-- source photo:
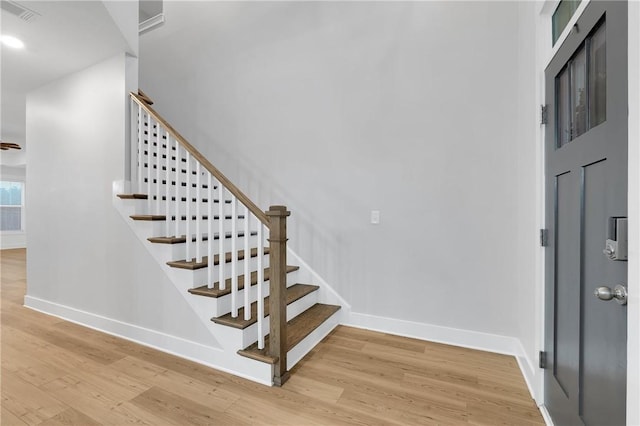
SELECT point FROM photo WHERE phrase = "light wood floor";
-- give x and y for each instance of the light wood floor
(55, 372)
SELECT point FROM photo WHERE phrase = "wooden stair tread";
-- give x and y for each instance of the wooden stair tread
(183, 238)
(193, 265)
(217, 292)
(151, 217)
(297, 329)
(132, 196)
(164, 198)
(295, 292)
(148, 217)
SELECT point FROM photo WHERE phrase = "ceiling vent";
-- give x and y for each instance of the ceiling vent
(18, 10)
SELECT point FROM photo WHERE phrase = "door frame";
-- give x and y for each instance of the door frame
(544, 54)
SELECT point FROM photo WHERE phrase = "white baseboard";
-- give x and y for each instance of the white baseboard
(163, 342)
(451, 336)
(13, 240)
(545, 415)
(529, 370)
(435, 333)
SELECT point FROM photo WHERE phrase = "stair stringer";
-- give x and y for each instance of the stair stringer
(204, 307)
(222, 352)
(230, 339)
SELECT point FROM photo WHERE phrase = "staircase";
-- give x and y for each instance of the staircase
(226, 257)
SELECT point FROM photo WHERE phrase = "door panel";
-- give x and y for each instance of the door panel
(586, 184)
(603, 328)
(567, 286)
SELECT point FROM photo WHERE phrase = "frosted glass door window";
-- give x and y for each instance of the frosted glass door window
(598, 77)
(581, 89)
(563, 108)
(579, 93)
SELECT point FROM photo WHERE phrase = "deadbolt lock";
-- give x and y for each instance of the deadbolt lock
(615, 247)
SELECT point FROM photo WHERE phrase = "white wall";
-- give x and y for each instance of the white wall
(83, 261)
(529, 178)
(336, 109)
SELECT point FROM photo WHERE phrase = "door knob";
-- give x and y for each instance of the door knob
(619, 293)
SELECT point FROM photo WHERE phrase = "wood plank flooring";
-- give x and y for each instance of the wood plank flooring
(59, 373)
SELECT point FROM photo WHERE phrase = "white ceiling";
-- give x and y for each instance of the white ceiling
(66, 37)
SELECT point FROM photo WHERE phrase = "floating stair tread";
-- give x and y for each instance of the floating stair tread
(183, 239)
(297, 329)
(148, 217)
(294, 293)
(217, 292)
(193, 265)
(132, 196)
(183, 217)
(164, 198)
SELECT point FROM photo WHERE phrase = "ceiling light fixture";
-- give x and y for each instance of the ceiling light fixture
(11, 41)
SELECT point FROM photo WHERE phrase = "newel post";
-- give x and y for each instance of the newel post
(277, 291)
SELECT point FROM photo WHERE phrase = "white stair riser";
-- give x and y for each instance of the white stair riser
(223, 304)
(178, 251)
(182, 208)
(199, 277)
(153, 207)
(160, 228)
(312, 340)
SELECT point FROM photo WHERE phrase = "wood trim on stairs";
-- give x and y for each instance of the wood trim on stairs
(153, 217)
(132, 196)
(262, 217)
(143, 96)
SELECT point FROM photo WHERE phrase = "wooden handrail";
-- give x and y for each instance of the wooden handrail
(262, 217)
(144, 97)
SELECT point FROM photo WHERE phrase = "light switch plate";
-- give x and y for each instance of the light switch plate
(375, 217)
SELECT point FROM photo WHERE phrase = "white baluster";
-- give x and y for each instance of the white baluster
(209, 230)
(198, 192)
(188, 209)
(247, 273)
(149, 191)
(260, 298)
(140, 149)
(158, 164)
(176, 222)
(167, 180)
(234, 259)
(221, 254)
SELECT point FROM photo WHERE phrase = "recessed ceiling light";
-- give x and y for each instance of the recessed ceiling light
(11, 41)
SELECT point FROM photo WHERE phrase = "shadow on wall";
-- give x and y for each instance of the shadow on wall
(309, 233)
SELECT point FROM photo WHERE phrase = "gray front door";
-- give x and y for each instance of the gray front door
(586, 187)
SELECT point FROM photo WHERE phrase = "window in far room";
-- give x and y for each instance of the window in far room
(11, 206)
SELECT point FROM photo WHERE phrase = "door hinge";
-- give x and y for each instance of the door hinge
(542, 359)
(544, 237)
(544, 116)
